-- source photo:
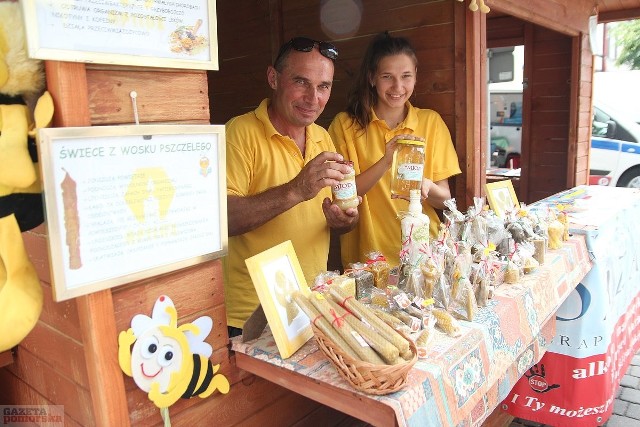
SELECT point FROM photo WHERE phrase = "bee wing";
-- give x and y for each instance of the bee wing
(196, 342)
(141, 323)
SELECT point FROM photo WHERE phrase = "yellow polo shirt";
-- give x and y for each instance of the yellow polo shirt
(259, 158)
(379, 226)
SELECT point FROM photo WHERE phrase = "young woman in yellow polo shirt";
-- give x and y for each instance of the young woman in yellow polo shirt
(378, 114)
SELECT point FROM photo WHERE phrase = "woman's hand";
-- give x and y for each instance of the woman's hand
(426, 187)
(390, 147)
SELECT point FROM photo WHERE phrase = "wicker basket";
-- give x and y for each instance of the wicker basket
(364, 376)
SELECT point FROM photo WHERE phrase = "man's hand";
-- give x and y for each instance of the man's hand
(339, 220)
(320, 172)
(250, 212)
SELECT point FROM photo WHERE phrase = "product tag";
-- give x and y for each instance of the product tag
(402, 300)
(415, 324)
(411, 171)
(359, 338)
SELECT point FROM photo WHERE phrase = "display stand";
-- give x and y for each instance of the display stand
(463, 379)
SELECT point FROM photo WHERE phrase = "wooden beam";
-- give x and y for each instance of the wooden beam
(619, 15)
(100, 339)
(67, 83)
(569, 18)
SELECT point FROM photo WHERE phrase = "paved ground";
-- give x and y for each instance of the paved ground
(626, 407)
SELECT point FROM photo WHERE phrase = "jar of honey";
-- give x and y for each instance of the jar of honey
(345, 194)
(407, 167)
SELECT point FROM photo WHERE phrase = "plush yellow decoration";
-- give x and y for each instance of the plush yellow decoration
(21, 80)
(21, 294)
(19, 75)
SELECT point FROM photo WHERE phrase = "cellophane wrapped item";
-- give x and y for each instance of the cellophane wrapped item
(461, 268)
(431, 269)
(498, 271)
(424, 337)
(525, 251)
(380, 268)
(482, 279)
(455, 220)
(465, 305)
(348, 284)
(539, 222)
(379, 298)
(556, 233)
(412, 310)
(443, 257)
(364, 280)
(321, 281)
(478, 230)
(496, 232)
(414, 284)
(512, 273)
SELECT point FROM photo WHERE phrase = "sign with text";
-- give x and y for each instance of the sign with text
(125, 203)
(152, 33)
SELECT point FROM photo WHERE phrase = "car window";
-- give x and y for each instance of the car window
(599, 125)
(604, 125)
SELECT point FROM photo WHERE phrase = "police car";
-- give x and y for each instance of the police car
(615, 148)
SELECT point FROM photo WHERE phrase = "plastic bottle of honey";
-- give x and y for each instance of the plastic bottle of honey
(345, 194)
(407, 167)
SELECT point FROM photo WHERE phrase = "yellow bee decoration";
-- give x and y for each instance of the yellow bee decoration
(169, 361)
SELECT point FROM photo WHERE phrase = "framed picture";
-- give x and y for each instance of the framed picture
(180, 34)
(276, 273)
(124, 203)
(501, 197)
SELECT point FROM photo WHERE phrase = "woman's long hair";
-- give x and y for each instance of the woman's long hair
(363, 96)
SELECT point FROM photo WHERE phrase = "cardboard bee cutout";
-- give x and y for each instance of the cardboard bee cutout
(168, 361)
(21, 81)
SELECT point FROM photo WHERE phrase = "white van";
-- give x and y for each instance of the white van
(505, 119)
(615, 140)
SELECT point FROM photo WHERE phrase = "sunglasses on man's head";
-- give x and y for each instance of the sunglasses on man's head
(304, 44)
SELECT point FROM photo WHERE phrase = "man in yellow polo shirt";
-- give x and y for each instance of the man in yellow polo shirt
(280, 169)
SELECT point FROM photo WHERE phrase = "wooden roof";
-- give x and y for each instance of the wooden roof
(618, 10)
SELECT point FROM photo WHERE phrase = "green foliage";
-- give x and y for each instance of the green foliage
(628, 35)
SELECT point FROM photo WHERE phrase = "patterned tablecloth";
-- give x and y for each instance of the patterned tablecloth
(465, 378)
(598, 326)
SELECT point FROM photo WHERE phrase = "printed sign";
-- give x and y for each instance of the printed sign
(128, 202)
(152, 33)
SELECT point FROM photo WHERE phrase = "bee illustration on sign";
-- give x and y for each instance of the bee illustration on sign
(168, 361)
(205, 168)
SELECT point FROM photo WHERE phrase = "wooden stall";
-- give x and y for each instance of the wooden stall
(70, 358)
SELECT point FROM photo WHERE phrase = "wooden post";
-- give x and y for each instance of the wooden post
(67, 83)
(471, 124)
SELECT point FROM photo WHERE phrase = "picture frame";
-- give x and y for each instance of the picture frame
(501, 197)
(172, 35)
(276, 273)
(124, 203)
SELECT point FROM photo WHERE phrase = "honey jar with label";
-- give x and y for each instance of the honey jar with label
(407, 167)
(345, 194)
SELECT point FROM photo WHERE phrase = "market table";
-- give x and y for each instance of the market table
(463, 379)
(598, 327)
